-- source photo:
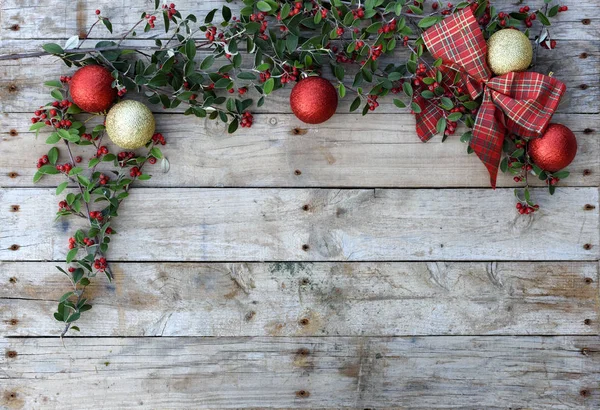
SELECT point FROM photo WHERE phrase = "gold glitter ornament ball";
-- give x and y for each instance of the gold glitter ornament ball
(509, 50)
(130, 124)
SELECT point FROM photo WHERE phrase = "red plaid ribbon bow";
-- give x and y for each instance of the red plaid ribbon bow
(521, 103)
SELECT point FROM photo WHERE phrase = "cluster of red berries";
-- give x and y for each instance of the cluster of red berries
(42, 161)
(549, 45)
(88, 137)
(108, 231)
(265, 76)
(247, 119)
(211, 32)
(63, 206)
(65, 79)
(170, 10)
(122, 92)
(103, 179)
(242, 90)
(151, 20)
(295, 10)
(387, 28)
(323, 12)
(339, 31)
(372, 101)
(158, 138)
(49, 115)
(88, 241)
(72, 243)
(125, 156)
(135, 172)
(525, 209)
(66, 168)
(563, 8)
(289, 74)
(358, 13)
(100, 264)
(552, 181)
(376, 52)
(97, 215)
(103, 150)
(487, 15)
(260, 16)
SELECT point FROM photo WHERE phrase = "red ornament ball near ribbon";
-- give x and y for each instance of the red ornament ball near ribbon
(313, 100)
(91, 88)
(555, 149)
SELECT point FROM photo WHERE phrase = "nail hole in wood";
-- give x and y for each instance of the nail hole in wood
(587, 172)
(304, 281)
(583, 86)
(250, 315)
(585, 351)
(584, 393)
(306, 207)
(302, 394)
(298, 131)
(14, 247)
(15, 208)
(589, 280)
(305, 247)
(13, 133)
(13, 174)
(304, 321)
(589, 207)
(585, 22)
(587, 322)
(303, 352)
(587, 246)
(298, 172)
(11, 354)
(13, 280)
(15, 27)
(13, 322)
(583, 55)
(12, 88)
(588, 131)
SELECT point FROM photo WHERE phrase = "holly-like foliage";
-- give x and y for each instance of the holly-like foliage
(222, 65)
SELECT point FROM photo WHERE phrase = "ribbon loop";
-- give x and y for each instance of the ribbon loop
(520, 103)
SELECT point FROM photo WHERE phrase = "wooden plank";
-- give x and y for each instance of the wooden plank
(22, 89)
(346, 151)
(311, 299)
(336, 225)
(25, 19)
(326, 372)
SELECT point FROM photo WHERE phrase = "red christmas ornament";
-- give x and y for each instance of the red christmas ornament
(91, 88)
(313, 100)
(555, 149)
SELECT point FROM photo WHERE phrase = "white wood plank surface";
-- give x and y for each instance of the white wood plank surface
(346, 151)
(176, 224)
(311, 299)
(471, 372)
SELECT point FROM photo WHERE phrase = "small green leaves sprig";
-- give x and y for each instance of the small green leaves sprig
(97, 196)
(518, 163)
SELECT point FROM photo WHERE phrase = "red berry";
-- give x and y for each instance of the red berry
(97, 12)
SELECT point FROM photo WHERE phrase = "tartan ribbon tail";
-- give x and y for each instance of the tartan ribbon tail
(488, 136)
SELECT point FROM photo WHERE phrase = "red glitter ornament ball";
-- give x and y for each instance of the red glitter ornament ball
(91, 88)
(313, 100)
(555, 149)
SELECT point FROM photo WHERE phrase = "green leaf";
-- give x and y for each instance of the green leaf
(415, 9)
(342, 90)
(209, 17)
(398, 103)
(233, 125)
(355, 104)
(226, 12)
(85, 308)
(190, 49)
(517, 153)
(446, 103)
(108, 24)
(76, 328)
(48, 170)
(53, 155)
(441, 126)
(263, 6)
(53, 48)
(65, 297)
(408, 90)
(285, 11)
(53, 138)
(71, 255)
(144, 177)
(207, 62)
(75, 171)
(553, 11)
(73, 317)
(561, 174)
(455, 116)
(61, 187)
(415, 107)
(93, 162)
(37, 176)
(58, 317)
(429, 21)
(269, 85)
(504, 164)
(156, 152)
(542, 18)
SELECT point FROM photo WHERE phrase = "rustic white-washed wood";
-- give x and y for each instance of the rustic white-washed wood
(173, 224)
(63, 20)
(21, 82)
(472, 372)
(346, 151)
(311, 299)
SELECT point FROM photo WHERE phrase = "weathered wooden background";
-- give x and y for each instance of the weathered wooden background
(295, 266)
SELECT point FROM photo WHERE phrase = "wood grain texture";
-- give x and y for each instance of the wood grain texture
(62, 20)
(337, 225)
(311, 299)
(327, 372)
(21, 82)
(346, 151)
